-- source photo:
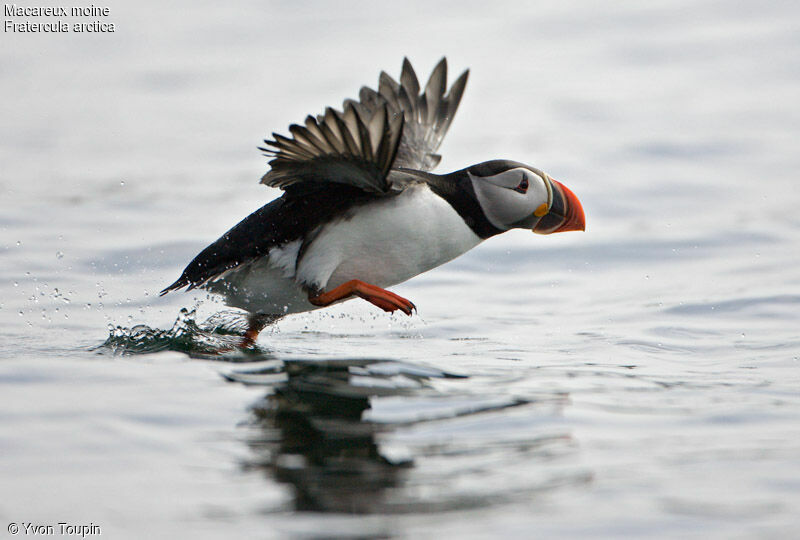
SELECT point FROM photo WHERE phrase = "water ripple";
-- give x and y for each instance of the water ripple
(764, 306)
(373, 436)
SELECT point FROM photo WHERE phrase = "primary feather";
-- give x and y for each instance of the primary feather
(396, 126)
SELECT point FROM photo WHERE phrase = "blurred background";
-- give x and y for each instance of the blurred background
(639, 379)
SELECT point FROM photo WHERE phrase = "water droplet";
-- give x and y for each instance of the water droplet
(59, 255)
(21, 314)
(19, 242)
(122, 183)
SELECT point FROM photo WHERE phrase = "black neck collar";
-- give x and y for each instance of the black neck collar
(456, 188)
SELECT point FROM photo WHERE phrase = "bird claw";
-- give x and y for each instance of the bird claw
(393, 303)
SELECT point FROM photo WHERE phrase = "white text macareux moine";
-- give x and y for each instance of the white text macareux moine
(13, 10)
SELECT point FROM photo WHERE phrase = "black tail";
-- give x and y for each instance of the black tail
(182, 282)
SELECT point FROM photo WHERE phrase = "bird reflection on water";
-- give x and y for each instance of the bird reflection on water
(316, 430)
(315, 439)
(378, 436)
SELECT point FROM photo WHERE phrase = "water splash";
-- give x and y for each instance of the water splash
(220, 334)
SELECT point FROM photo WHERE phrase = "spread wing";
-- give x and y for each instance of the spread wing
(427, 115)
(344, 147)
(397, 126)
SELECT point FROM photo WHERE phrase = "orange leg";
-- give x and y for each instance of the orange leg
(250, 337)
(255, 324)
(387, 301)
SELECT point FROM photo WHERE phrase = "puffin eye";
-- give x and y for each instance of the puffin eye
(523, 185)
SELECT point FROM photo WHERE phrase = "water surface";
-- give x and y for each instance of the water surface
(640, 379)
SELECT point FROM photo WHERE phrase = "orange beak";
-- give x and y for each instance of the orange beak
(566, 213)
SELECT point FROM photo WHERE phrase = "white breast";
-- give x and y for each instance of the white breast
(387, 242)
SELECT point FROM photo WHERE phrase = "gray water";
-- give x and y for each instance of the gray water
(641, 379)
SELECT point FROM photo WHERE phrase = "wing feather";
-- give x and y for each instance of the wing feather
(393, 127)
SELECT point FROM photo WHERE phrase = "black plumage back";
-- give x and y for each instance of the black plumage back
(291, 217)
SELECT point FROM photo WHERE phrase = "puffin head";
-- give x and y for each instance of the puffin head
(517, 196)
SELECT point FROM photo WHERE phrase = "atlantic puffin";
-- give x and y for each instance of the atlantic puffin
(361, 211)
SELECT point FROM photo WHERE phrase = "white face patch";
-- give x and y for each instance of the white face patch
(512, 196)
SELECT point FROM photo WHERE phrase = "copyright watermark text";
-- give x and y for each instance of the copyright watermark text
(62, 528)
